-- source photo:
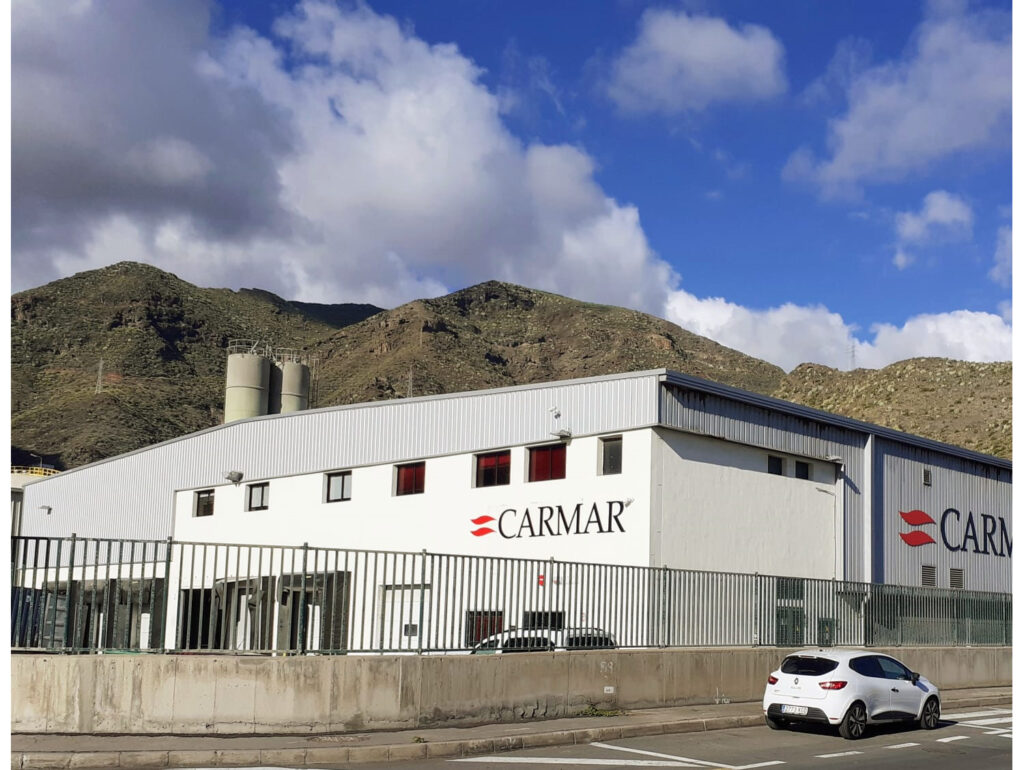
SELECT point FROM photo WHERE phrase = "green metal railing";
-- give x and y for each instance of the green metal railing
(90, 595)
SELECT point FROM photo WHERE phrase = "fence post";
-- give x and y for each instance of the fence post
(165, 624)
(423, 601)
(301, 641)
(70, 621)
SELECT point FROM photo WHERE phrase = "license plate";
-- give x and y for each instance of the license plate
(800, 710)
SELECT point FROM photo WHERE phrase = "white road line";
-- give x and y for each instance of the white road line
(970, 714)
(952, 738)
(840, 754)
(574, 761)
(996, 721)
(693, 762)
(903, 745)
(1006, 735)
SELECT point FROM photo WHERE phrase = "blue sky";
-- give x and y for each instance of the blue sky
(803, 181)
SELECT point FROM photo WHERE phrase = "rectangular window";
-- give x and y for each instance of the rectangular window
(776, 465)
(926, 478)
(483, 623)
(492, 469)
(956, 577)
(928, 575)
(547, 620)
(204, 503)
(339, 487)
(409, 478)
(802, 470)
(611, 456)
(547, 462)
(258, 498)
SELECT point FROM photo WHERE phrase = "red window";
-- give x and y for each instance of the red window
(410, 479)
(492, 469)
(547, 462)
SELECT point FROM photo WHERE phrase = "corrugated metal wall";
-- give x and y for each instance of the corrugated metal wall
(724, 418)
(129, 496)
(968, 486)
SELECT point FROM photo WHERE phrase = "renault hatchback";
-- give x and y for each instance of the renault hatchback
(850, 689)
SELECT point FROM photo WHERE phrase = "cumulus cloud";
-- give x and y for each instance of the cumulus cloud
(1002, 264)
(790, 334)
(952, 93)
(940, 212)
(681, 62)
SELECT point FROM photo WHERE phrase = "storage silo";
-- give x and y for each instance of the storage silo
(294, 393)
(248, 386)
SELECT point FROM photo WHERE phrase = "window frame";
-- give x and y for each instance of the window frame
(602, 467)
(346, 486)
(551, 449)
(420, 477)
(807, 468)
(502, 471)
(198, 497)
(264, 487)
(782, 465)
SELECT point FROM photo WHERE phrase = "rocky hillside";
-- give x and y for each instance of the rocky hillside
(161, 341)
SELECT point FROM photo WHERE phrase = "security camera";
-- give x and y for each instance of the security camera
(233, 476)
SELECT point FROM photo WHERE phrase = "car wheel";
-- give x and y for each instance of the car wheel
(775, 724)
(854, 723)
(930, 714)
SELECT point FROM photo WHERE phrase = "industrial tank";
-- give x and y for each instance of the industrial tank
(248, 386)
(294, 390)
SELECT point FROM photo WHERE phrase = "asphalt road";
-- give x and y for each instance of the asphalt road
(972, 738)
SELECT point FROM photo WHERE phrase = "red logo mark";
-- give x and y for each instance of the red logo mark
(916, 538)
(540, 580)
(916, 518)
(482, 530)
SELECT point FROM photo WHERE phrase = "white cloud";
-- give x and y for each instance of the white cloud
(681, 62)
(952, 93)
(790, 334)
(940, 211)
(902, 259)
(1002, 264)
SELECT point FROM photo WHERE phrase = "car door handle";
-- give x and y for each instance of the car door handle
(895, 689)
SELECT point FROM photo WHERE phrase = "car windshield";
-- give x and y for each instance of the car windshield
(806, 665)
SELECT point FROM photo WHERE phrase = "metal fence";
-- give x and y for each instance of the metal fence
(88, 595)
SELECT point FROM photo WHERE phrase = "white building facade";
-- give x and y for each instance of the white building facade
(649, 469)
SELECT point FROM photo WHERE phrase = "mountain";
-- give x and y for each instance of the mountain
(162, 345)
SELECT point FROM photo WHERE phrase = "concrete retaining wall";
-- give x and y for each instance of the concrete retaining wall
(198, 694)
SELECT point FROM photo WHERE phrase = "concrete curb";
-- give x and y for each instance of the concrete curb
(312, 757)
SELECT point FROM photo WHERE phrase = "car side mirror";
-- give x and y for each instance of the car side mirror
(914, 676)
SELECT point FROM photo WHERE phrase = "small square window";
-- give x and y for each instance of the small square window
(258, 497)
(338, 487)
(547, 462)
(776, 465)
(802, 470)
(927, 477)
(492, 469)
(611, 455)
(410, 478)
(204, 503)
(956, 577)
(928, 575)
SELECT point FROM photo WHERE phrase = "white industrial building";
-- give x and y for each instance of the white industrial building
(650, 468)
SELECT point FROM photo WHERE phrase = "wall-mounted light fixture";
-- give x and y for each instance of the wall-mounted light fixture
(46, 509)
(234, 476)
(565, 434)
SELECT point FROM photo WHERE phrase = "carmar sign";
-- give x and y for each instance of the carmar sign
(552, 521)
(960, 533)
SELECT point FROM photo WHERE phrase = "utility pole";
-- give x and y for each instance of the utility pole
(410, 383)
(99, 377)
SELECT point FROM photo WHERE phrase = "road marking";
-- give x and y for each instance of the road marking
(952, 738)
(575, 761)
(903, 745)
(970, 714)
(840, 754)
(997, 721)
(692, 762)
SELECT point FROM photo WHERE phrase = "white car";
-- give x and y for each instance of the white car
(545, 640)
(850, 689)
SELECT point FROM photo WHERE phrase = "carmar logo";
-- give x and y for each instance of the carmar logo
(987, 535)
(552, 521)
(916, 518)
